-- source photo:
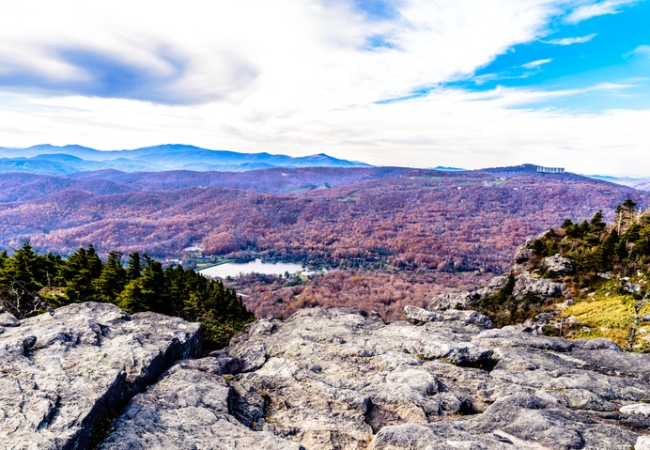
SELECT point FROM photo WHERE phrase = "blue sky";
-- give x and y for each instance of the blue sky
(611, 49)
(420, 83)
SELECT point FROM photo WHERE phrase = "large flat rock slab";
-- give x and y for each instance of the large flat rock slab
(343, 379)
(61, 374)
(336, 379)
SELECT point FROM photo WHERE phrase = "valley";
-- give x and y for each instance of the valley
(403, 218)
(393, 236)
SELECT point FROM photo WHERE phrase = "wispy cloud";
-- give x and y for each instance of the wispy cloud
(536, 64)
(642, 51)
(156, 77)
(300, 77)
(296, 54)
(594, 9)
(571, 41)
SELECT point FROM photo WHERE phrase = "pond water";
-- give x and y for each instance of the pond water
(257, 266)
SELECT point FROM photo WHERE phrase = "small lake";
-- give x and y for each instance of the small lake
(257, 266)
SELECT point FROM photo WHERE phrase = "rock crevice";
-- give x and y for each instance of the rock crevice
(61, 374)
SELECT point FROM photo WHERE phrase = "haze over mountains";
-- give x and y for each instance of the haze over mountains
(642, 184)
(71, 159)
(52, 160)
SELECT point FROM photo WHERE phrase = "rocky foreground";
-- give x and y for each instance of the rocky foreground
(91, 375)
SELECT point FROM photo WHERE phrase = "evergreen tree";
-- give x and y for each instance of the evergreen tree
(152, 287)
(26, 267)
(79, 271)
(597, 223)
(608, 251)
(94, 263)
(52, 265)
(144, 286)
(134, 270)
(625, 213)
(131, 298)
(112, 280)
(176, 288)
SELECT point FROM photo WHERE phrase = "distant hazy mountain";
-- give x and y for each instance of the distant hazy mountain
(448, 169)
(642, 184)
(51, 160)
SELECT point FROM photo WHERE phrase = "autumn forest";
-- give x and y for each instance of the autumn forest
(397, 236)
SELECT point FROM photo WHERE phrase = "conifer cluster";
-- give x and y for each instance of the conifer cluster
(622, 247)
(600, 251)
(30, 283)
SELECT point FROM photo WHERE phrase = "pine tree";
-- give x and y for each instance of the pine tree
(134, 269)
(26, 267)
(152, 287)
(79, 271)
(175, 288)
(625, 213)
(144, 286)
(112, 279)
(94, 263)
(597, 222)
(131, 298)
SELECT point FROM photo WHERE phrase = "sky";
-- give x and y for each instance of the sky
(461, 83)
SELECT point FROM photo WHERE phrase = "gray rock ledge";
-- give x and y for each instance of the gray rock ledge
(336, 379)
(343, 379)
(60, 375)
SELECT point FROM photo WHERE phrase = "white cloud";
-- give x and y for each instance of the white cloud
(571, 41)
(295, 78)
(536, 64)
(642, 51)
(282, 53)
(447, 127)
(594, 9)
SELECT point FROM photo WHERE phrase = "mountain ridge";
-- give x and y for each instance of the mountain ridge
(56, 160)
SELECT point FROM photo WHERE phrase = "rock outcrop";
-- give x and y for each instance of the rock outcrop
(60, 375)
(558, 266)
(545, 283)
(7, 320)
(188, 408)
(524, 282)
(342, 379)
(323, 379)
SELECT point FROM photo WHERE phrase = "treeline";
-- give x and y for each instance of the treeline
(31, 283)
(386, 291)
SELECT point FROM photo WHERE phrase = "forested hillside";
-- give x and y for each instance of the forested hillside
(426, 219)
(25, 186)
(31, 283)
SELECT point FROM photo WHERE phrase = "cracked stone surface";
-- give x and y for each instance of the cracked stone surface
(343, 379)
(60, 375)
(334, 379)
(188, 408)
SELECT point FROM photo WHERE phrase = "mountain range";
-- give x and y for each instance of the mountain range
(65, 160)
(52, 160)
